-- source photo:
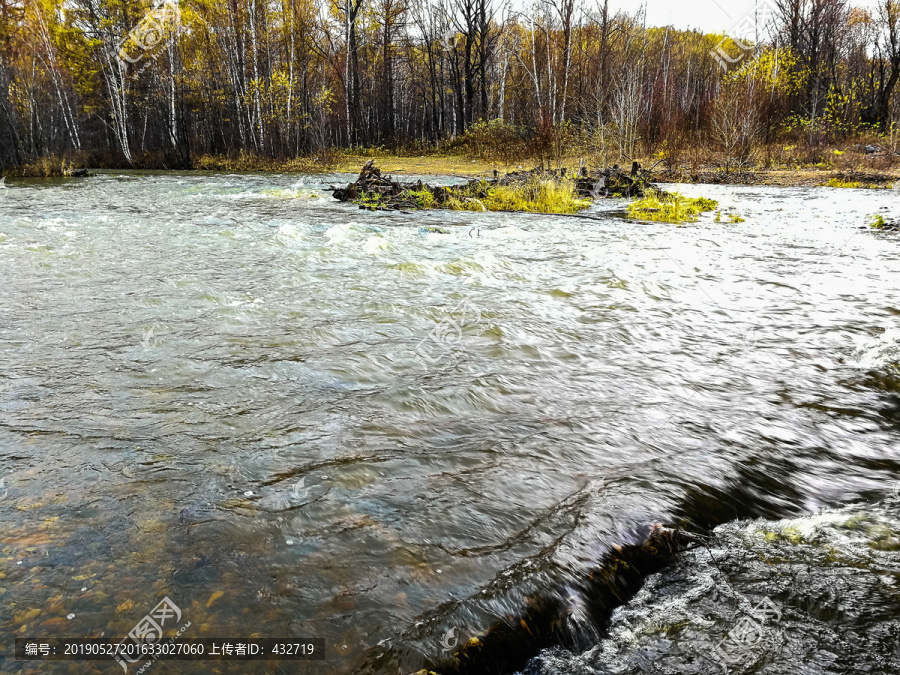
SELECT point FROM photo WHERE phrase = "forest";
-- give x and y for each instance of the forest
(124, 83)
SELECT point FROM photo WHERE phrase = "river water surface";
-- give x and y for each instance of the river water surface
(299, 419)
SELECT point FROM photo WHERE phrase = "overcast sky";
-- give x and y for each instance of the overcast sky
(707, 15)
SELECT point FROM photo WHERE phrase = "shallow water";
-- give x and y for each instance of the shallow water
(299, 419)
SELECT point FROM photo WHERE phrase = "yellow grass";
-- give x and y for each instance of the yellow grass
(669, 207)
(46, 167)
(838, 183)
(538, 195)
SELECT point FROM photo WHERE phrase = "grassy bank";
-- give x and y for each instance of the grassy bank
(49, 167)
(427, 165)
(791, 168)
(827, 167)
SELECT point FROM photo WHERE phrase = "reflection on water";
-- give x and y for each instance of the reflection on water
(213, 388)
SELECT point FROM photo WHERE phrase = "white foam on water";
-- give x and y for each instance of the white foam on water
(508, 232)
(805, 526)
(246, 194)
(488, 260)
(289, 232)
(879, 352)
(337, 234)
(296, 191)
(432, 238)
(374, 244)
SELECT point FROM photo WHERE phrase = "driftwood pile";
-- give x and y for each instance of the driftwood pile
(614, 182)
(382, 193)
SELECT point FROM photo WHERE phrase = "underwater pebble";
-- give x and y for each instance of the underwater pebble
(84, 589)
(248, 493)
(289, 542)
(70, 616)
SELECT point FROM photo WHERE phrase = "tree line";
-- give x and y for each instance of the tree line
(127, 83)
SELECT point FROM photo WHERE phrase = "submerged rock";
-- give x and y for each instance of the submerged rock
(572, 613)
(812, 595)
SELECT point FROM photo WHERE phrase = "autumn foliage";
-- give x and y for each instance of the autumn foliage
(126, 83)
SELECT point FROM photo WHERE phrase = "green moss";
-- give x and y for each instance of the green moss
(423, 198)
(669, 207)
(789, 534)
(369, 201)
(878, 222)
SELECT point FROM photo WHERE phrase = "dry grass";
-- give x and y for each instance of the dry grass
(248, 162)
(428, 165)
(431, 165)
(47, 167)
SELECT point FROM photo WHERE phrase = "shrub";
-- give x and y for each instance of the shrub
(493, 140)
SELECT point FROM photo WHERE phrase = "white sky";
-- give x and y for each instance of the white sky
(707, 15)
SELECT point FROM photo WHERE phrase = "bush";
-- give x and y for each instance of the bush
(493, 140)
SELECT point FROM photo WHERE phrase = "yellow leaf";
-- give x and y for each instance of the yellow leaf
(215, 596)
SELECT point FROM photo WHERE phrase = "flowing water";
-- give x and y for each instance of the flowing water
(389, 431)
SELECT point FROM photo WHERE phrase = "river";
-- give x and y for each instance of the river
(298, 419)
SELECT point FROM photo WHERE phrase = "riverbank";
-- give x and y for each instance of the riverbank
(785, 178)
(444, 165)
(861, 174)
